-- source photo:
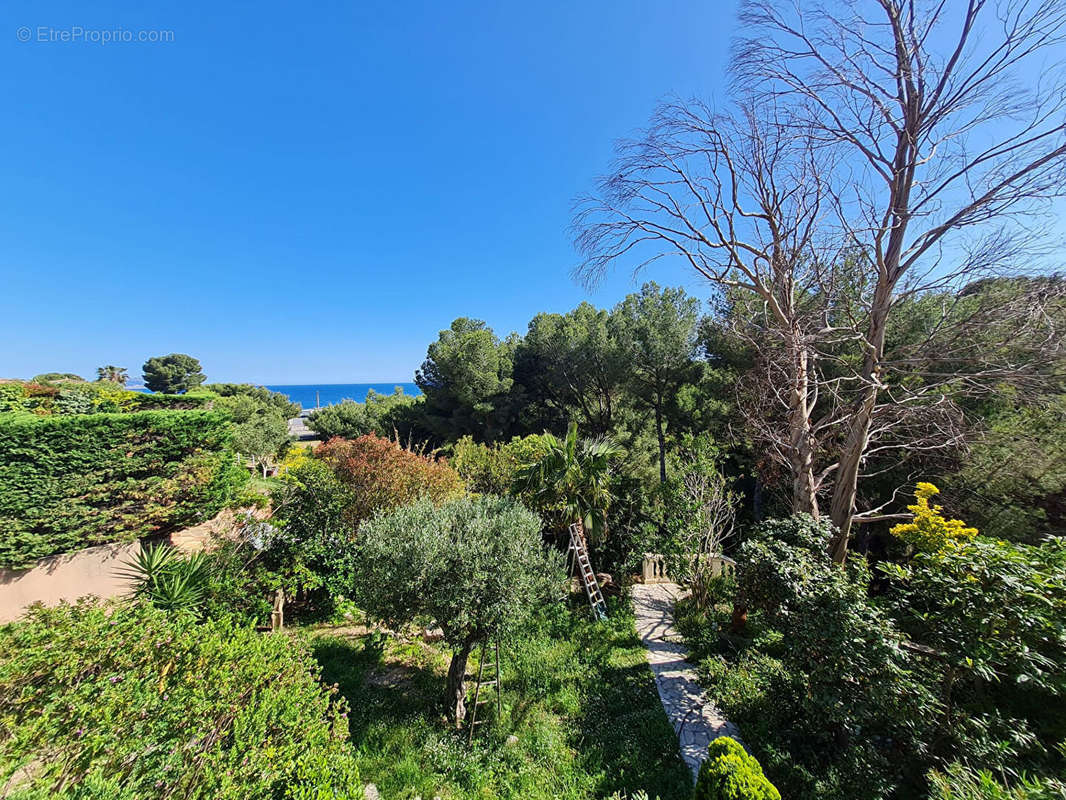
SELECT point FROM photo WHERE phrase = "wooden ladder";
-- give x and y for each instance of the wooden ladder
(492, 680)
(584, 567)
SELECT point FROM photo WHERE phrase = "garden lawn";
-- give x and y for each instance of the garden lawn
(581, 715)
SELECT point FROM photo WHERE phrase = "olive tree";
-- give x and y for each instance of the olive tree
(475, 565)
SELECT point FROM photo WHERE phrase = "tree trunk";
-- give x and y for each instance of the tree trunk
(662, 439)
(801, 437)
(851, 455)
(455, 694)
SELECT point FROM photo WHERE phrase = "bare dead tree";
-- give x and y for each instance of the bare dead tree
(949, 131)
(741, 199)
(884, 152)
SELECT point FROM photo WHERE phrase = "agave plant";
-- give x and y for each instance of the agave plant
(167, 579)
(573, 476)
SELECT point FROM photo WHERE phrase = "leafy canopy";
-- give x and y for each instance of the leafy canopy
(176, 373)
(476, 565)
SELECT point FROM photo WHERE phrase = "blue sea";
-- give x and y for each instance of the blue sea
(328, 394)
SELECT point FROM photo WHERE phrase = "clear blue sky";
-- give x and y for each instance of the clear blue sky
(300, 194)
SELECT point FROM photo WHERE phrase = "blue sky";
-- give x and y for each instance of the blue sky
(298, 196)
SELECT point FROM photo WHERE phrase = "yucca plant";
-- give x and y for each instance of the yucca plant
(573, 476)
(167, 579)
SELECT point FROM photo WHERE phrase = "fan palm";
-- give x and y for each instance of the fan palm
(572, 477)
(113, 374)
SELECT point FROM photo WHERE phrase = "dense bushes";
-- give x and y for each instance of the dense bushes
(324, 499)
(388, 415)
(729, 773)
(129, 702)
(846, 687)
(491, 469)
(379, 474)
(68, 482)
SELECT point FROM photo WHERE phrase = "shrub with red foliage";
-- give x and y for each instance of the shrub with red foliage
(381, 475)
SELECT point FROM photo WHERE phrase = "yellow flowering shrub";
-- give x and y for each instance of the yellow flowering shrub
(295, 457)
(929, 530)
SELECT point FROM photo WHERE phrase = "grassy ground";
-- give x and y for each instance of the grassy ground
(581, 716)
(263, 486)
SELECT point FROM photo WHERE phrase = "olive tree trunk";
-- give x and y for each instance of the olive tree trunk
(455, 693)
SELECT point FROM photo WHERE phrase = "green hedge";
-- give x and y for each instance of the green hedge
(101, 397)
(68, 482)
(125, 702)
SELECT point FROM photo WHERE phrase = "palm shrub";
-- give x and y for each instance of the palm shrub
(475, 565)
(729, 773)
(571, 480)
(128, 701)
(167, 579)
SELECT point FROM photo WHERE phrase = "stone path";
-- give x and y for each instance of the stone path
(695, 718)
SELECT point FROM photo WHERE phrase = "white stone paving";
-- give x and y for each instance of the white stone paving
(695, 718)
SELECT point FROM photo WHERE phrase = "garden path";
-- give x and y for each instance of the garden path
(695, 718)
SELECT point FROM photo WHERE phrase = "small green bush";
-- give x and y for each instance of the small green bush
(729, 773)
(129, 701)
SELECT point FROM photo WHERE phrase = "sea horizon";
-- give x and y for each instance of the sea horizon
(310, 395)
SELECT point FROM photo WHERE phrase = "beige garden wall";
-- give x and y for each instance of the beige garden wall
(94, 571)
(65, 577)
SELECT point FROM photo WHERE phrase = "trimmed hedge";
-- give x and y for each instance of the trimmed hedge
(118, 702)
(101, 397)
(68, 482)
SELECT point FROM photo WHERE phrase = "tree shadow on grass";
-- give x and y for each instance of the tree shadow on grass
(377, 685)
(623, 729)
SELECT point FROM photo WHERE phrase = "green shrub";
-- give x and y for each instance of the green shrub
(132, 702)
(68, 482)
(729, 773)
(387, 415)
(844, 711)
(262, 395)
(491, 469)
(958, 782)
